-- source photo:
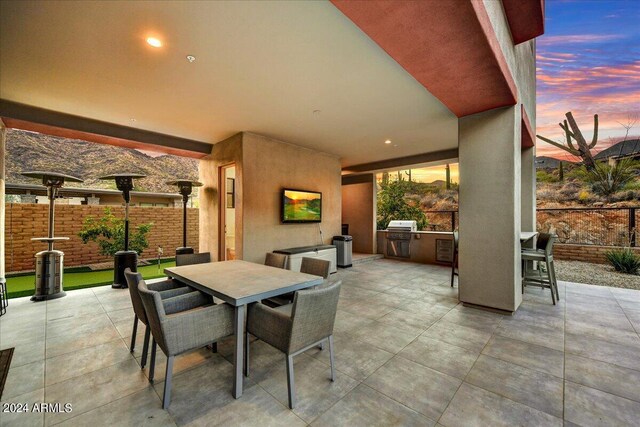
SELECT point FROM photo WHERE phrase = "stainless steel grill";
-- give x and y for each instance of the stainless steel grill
(399, 238)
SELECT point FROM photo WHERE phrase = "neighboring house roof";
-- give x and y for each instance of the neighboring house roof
(629, 148)
(81, 192)
(544, 162)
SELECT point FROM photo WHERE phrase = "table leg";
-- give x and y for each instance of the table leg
(238, 351)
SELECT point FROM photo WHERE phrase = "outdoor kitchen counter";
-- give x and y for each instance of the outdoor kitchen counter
(423, 245)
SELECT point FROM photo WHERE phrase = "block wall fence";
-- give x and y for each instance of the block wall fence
(586, 253)
(25, 220)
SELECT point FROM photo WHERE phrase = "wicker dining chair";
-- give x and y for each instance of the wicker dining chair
(167, 289)
(190, 259)
(275, 260)
(310, 324)
(317, 267)
(182, 326)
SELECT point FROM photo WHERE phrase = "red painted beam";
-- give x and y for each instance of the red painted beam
(526, 19)
(527, 140)
(450, 47)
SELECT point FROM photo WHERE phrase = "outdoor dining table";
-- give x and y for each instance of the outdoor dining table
(240, 283)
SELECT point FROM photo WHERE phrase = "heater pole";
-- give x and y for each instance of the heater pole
(185, 199)
(52, 199)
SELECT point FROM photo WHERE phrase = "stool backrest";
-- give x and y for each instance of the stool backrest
(545, 242)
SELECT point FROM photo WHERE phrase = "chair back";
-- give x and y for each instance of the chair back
(313, 315)
(155, 312)
(133, 279)
(275, 260)
(545, 242)
(317, 267)
(455, 240)
(189, 259)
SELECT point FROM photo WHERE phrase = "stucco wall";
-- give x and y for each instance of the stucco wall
(358, 210)
(270, 165)
(224, 153)
(263, 167)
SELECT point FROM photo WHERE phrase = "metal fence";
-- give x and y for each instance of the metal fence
(583, 226)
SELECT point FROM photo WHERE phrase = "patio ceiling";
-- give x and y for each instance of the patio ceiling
(260, 67)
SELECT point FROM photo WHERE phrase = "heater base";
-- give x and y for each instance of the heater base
(123, 260)
(184, 250)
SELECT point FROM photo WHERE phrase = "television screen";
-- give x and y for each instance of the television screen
(301, 206)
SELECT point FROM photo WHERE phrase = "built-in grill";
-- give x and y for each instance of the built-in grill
(399, 238)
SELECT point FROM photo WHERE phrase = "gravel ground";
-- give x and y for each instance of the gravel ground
(595, 274)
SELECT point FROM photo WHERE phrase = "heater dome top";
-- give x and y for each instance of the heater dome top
(48, 175)
(185, 181)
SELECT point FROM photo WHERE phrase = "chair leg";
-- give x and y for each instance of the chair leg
(152, 366)
(555, 279)
(553, 294)
(145, 347)
(453, 268)
(291, 383)
(246, 354)
(166, 395)
(214, 347)
(133, 335)
(331, 359)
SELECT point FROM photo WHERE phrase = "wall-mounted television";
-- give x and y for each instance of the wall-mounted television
(301, 206)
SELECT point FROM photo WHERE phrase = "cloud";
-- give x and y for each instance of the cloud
(577, 38)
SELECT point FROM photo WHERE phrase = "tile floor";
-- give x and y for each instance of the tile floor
(407, 354)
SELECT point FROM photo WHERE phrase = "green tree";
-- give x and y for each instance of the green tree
(392, 205)
(108, 232)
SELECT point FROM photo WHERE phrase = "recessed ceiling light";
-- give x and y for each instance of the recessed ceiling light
(132, 119)
(388, 141)
(152, 41)
(316, 112)
(191, 58)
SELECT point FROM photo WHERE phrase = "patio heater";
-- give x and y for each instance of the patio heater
(50, 263)
(185, 187)
(125, 258)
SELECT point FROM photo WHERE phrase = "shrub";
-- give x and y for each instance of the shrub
(607, 179)
(624, 260)
(108, 232)
(544, 176)
(393, 205)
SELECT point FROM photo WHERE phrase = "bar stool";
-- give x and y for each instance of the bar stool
(454, 263)
(542, 253)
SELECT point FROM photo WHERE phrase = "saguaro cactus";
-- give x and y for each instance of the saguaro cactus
(580, 148)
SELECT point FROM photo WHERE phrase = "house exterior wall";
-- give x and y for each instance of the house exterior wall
(269, 166)
(264, 166)
(26, 220)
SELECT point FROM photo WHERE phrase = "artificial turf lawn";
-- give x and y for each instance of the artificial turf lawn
(20, 286)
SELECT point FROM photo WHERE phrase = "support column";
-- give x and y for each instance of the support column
(490, 209)
(3, 140)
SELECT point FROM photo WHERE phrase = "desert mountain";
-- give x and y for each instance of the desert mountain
(89, 161)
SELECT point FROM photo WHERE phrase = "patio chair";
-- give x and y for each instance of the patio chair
(167, 289)
(189, 259)
(182, 325)
(310, 323)
(275, 260)
(317, 267)
(454, 263)
(542, 253)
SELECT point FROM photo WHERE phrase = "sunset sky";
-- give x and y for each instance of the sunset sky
(588, 62)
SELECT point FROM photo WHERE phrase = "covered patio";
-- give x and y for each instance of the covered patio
(316, 96)
(407, 353)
